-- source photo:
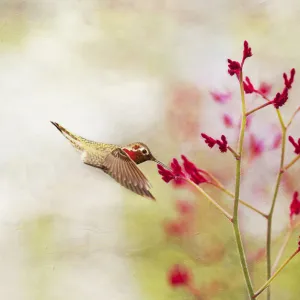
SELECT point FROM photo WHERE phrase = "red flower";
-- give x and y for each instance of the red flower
(247, 51)
(256, 146)
(167, 175)
(234, 67)
(221, 97)
(227, 120)
(176, 172)
(289, 81)
(295, 205)
(248, 86)
(211, 142)
(223, 145)
(179, 275)
(264, 89)
(281, 98)
(295, 144)
(193, 171)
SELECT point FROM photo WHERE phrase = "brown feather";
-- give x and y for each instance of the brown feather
(124, 170)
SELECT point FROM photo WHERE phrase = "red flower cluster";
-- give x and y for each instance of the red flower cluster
(234, 67)
(295, 205)
(263, 90)
(295, 144)
(282, 97)
(176, 172)
(211, 142)
(179, 275)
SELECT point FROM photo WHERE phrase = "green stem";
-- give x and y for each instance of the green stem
(282, 248)
(233, 152)
(291, 163)
(270, 218)
(199, 189)
(276, 273)
(292, 118)
(235, 221)
(258, 108)
(222, 188)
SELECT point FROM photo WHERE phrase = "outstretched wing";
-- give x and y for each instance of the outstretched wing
(124, 170)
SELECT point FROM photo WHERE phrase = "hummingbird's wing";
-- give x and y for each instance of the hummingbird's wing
(124, 170)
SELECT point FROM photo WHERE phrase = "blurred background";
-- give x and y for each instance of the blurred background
(120, 71)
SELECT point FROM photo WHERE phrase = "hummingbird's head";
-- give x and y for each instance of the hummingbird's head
(139, 153)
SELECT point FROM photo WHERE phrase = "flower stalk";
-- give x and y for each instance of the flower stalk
(270, 216)
(235, 220)
(281, 250)
(258, 108)
(222, 188)
(267, 284)
(209, 198)
(290, 164)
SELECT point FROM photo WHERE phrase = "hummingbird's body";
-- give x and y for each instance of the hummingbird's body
(120, 162)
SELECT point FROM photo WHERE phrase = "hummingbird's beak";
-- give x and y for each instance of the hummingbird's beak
(160, 163)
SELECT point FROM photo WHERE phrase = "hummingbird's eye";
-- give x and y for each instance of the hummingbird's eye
(144, 151)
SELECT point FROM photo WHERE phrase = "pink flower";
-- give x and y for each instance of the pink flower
(256, 146)
(264, 89)
(176, 228)
(184, 207)
(277, 141)
(221, 97)
(227, 120)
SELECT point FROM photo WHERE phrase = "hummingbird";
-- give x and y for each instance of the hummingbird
(120, 162)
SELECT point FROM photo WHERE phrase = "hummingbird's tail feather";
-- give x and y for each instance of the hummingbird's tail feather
(75, 140)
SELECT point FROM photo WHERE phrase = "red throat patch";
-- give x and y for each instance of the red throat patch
(131, 154)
